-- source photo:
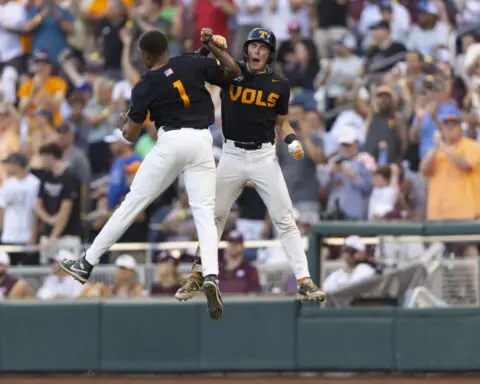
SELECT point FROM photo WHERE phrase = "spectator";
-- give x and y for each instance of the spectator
(385, 53)
(123, 155)
(49, 25)
(81, 126)
(356, 269)
(11, 287)
(386, 137)
(17, 208)
(59, 284)
(249, 15)
(349, 181)
(236, 274)
(43, 91)
(77, 162)
(58, 205)
(279, 13)
(431, 31)
(168, 276)
(43, 132)
(383, 199)
(399, 31)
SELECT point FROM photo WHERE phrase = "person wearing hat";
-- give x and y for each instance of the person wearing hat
(432, 29)
(123, 155)
(11, 287)
(356, 269)
(452, 170)
(59, 284)
(168, 276)
(349, 181)
(236, 274)
(18, 196)
(385, 52)
(43, 90)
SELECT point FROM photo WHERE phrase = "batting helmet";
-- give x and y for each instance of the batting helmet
(263, 36)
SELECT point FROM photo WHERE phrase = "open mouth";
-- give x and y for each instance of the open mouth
(255, 60)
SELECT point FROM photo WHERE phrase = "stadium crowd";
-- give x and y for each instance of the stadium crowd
(385, 97)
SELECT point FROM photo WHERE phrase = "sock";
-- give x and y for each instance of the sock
(196, 269)
(302, 280)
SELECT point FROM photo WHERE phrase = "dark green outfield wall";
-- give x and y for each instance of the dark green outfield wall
(275, 335)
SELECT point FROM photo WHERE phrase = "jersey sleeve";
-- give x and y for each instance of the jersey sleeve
(283, 100)
(140, 102)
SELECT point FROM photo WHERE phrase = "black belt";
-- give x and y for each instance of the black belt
(168, 128)
(249, 146)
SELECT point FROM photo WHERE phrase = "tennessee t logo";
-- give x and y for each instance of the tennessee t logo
(263, 34)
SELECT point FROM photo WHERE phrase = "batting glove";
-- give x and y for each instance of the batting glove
(296, 149)
(219, 41)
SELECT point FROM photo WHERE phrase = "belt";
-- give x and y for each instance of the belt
(249, 146)
(168, 128)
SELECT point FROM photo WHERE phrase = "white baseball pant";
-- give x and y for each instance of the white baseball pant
(188, 150)
(260, 166)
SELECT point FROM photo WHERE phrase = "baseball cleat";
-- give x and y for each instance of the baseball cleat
(214, 300)
(189, 287)
(80, 270)
(308, 291)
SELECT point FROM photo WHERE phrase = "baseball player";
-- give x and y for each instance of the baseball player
(173, 91)
(254, 106)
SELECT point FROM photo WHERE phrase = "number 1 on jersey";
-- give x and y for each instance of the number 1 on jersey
(181, 90)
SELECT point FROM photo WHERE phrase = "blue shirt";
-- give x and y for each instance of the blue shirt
(428, 126)
(49, 35)
(117, 186)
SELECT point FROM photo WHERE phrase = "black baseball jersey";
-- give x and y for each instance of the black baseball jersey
(250, 105)
(175, 94)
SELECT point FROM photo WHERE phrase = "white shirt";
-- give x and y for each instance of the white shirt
(278, 22)
(471, 12)
(382, 201)
(425, 40)
(17, 199)
(340, 278)
(55, 287)
(12, 15)
(347, 117)
(245, 18)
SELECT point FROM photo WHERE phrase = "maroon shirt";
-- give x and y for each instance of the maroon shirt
(243, 279)
(7, 284)
(158, 289)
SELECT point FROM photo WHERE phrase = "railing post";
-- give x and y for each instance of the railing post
(313, 256)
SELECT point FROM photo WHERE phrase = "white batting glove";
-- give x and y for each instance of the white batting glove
(219, 41)
(295, 148)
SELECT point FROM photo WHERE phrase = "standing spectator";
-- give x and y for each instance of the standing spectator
(386, 137)
(386, 52)
(431, 31)
(11, 287)
(59, 284)
(384, 196)
(279, 13)
(413, 72)
(76, 160)
(331, 17)
(80, 124)
(168, 276)
(236, 274)
(215, 14)
(123, 156)
(17, 208)
(43, 91)
(249, 16)
(399, 31)
(349, 180)
(108, 32)
(49, 25)
(58, 205)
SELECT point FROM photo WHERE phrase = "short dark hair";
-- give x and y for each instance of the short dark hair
(153, 42)
(53, 149)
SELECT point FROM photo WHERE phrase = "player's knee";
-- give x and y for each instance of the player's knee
(284, 222)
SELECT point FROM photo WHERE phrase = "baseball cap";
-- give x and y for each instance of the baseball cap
(132, 167)
(381, 25)
(451, 118)
(4, 258)
(294, 26)
(126, 261)
(385, 4)
(428, 7)
(347, 135)
(116, 137)
(354, 242)
(348, 41)
(234, 237)
(16, 158)
(40, 55)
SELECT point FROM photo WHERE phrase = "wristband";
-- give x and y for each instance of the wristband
(289, 139)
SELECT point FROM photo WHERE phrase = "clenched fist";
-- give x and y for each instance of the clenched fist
(295, 148)
(206, 35)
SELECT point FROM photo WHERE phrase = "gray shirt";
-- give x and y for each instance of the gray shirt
(300, 175)
(79, 164)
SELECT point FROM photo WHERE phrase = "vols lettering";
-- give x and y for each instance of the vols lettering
(252, 96)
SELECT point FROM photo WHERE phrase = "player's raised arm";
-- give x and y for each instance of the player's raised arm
(216, 45)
